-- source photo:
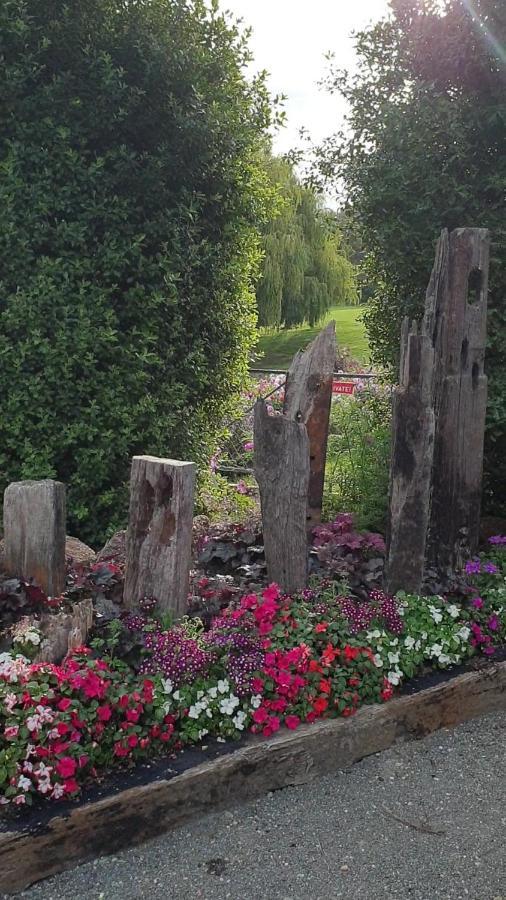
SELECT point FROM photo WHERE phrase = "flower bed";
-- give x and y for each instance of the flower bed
(268, 661)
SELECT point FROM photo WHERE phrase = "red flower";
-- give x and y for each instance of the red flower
(66, 767)
(387, 694)
(120, 750)
(314, 666)
(133, 740)
(70, 786)
(325, 686)
(321, 627)
(132, 715)
(64, 704)
(257, 685)
(329, 655)
(58, 747)
(320, 705)
(62, 728)
(143, 743)
(104, 713)
(353, 682)
(260, 716)
(123, 701)
(351, 652)
(292, 722)
(155, 731)
(167, 734)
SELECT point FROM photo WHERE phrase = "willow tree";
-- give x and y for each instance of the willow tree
(305, 269)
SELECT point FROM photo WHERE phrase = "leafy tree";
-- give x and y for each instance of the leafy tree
(132, 188)
(305, 270)
(425, 151)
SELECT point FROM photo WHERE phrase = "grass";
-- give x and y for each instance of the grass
(277, 348)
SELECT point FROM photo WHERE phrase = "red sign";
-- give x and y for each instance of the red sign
(343, 387)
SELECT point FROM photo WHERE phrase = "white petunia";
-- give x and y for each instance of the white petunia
(377, 660)
(436, 650)
(444, 659)
(393, 678)
(435, 615)
(167, 686)
(393, 658)
(193, 712)
(256, 700)
(223, 686)
(463, 633)
(409, 642)
(212, 693)
(453, 610)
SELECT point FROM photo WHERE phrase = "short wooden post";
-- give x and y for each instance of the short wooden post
(308, 397)
(34, 533)
(159, 535)
(281, 460)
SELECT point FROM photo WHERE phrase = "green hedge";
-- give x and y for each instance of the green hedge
(131, 193)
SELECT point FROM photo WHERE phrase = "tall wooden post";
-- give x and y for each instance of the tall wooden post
(308, 397)
(282, 471)
(159, 536)
(439, 419)
(34, 533)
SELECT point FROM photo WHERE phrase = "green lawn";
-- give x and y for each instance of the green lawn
(277, 348)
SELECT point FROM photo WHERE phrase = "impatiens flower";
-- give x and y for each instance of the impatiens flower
(260, 716)
(320, 705)
(11, 732)
(477, 603)
(66, 767)
(321, 627)
(292, 722)
(104, 713)
(64, 704)
(493, 622)
(71, 786)
(453, 610)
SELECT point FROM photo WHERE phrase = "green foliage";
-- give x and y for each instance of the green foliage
(305, 270)
(425, 151)
(358, 458)
(132, 188)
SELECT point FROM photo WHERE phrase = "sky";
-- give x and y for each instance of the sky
(290, 39)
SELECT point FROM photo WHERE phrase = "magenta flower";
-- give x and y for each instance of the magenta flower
(248, 445)
(493, 623)
(477, 603)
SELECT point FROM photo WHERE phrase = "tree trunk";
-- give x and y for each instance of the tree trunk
(159, 536)
(282, 472)
(34, 533)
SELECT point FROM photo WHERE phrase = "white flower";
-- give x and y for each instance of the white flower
(209, 713)
(409, 642)
(463, 633)
(194, 712)
(33, 723)
(424, 635)
(373, 635)
(221, 740)
(223, 686)
(436, 650)
(444, 659)
(200, 694)
(228, 704)
(32, 637)
(24, 784)
(167, 685)
(453, 610)
(44, 786)
(393, 678)
(377, 660)
(256, 701)
(393, 658)
(202, 733)
(394, 642)
(212, 692)
(435, 614)
(58, 791)
(238, 720)
(177, 695)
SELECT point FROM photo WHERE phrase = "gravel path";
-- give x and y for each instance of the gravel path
(423, 821)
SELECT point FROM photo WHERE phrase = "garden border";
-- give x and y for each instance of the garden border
(139, 813)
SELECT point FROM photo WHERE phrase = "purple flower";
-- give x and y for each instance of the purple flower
(490, 568)
(248, 445)
(497, 539)
(493, 622)
(477, 603)
(473, 567)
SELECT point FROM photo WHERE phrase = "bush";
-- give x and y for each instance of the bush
(131, 189)
(358, 458)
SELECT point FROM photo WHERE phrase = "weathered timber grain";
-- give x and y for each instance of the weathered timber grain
(308, 397)
(411, 463)
(456, 321)
(34, 533)
(289, 758)
(159, 535)
(439, 419)
(281, 462)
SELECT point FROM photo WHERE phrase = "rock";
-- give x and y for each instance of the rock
(77, 552)
(115, 549)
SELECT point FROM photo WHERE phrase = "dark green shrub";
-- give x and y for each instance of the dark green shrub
(131, 191)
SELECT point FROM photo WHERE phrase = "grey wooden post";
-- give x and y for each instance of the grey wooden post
(34, 533)
(159, 535)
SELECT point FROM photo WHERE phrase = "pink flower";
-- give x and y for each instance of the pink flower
(104, 713)
(11, 732)
(71, 786)
(271, 593)
(477, 603)
(292, 722)
(248, 445)
(64, 704)
(493, 622)
(260, 716)
(66, 767)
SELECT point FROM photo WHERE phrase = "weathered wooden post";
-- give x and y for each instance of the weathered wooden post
(159, 535)
(411, 465)
(282, 471)
(308, 397)
(439, 419)
(34, 533)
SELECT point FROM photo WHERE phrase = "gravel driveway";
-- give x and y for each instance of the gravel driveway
(423, 821)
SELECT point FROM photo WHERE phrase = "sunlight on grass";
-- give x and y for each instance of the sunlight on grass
(276, 348)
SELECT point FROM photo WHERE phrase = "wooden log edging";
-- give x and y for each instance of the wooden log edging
(290, 758)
